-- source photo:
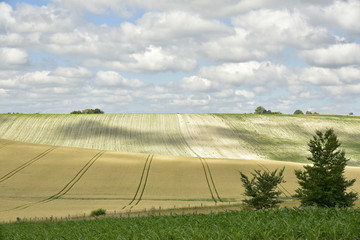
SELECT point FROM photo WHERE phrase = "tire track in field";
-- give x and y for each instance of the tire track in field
(26, 164)
(280, 187)
(6, 144)
(142, 184)
(68, 186)
(210, 181)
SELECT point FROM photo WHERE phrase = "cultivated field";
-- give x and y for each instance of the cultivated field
(235, 136)
(43, 180)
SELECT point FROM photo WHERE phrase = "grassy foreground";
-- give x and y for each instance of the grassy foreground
(246, 224)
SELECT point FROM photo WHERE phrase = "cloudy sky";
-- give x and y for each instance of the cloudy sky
(169, 56)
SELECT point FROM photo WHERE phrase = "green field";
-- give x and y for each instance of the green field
(284, 224)
(237, 136)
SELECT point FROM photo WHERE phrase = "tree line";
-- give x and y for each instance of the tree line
(88, 111)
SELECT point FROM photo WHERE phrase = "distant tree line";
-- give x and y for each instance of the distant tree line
(262, 110)
(298, 111)
(88, 111)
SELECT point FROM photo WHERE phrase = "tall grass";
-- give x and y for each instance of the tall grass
(246, 224)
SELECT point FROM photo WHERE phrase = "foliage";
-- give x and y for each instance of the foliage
(261, 188)
(262, 110)
(298, 111)
(351, 113)
(274, 224)
(309, 113)
(88, 111)
(97, 212)
(323, 183)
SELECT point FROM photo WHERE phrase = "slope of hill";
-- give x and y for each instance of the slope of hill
(242, 136)
(43, 180)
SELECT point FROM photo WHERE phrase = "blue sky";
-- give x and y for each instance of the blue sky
(161, 56)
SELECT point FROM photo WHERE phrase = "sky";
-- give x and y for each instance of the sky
(180, 56)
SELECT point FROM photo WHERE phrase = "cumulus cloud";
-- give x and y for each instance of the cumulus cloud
(12, 57)
(196, 83)
(209, 8)
(247, 73)
(29, 18)
(342, 14)
(204, 56)
(334, 55)
(247, 94)
(114, 79)
(282, 27)
(326, 76)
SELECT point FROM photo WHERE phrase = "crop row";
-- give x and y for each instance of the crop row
(268, 224)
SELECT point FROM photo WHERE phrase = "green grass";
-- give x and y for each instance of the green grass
(246, 224)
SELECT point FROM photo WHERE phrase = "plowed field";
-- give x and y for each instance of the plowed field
(42, 180)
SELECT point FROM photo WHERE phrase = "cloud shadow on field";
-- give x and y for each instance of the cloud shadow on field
(88, 129)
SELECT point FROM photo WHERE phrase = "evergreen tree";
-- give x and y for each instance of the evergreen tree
(323, 183)
(261, 188)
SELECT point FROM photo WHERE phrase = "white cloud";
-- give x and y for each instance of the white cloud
(326, 76)
(3, 92)
(196, 83)
(244, 93)
(172, 26)
(282, 27)
(69, 72)
(113, 79)
(236, 47)
(334, 55)
(198, 100)
(152, 59)
(12, 57)
(209, 8)
(344, 14)
(29, 18)
(248, 73)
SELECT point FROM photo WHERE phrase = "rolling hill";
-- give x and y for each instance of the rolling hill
(236, 136)
(55, 165)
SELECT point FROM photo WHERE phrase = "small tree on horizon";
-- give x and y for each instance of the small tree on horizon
(323, 183)
(261, 188)
(298, 111)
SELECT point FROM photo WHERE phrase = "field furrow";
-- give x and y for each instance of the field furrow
(237, 136)
(26, 164)
(86, 179)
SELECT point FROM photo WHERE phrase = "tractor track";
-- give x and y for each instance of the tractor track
(142, 184)
(6, 144)
(26, 164)
(68, 186)
(210, 181)
(281, 188)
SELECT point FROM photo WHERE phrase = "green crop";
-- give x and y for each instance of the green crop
(246, 224)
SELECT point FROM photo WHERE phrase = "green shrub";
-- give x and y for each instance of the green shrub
(97, 212)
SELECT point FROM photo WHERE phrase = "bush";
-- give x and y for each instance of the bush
(261, 188)
(98, 212)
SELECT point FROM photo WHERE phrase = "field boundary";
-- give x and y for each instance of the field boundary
(210, 180)
(26, 164)
(142, 183)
